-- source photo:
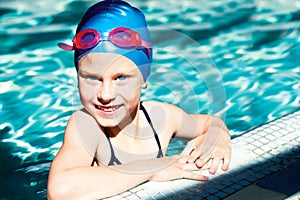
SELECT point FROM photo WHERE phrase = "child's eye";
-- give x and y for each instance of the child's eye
(122, 77)
(92, 78)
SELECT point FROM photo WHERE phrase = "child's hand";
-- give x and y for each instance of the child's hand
(209, 149)
(177, 167)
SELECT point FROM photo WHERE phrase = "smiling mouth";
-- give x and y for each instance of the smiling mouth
(107, 108)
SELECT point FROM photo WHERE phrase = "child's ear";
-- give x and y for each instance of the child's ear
(144, 85)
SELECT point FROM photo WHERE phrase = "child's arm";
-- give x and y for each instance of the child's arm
(72, 176)
(211, 140)
(212, 145)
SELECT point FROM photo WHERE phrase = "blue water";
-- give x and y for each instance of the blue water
(236, 59)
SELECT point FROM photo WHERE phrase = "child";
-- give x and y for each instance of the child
(117, 142)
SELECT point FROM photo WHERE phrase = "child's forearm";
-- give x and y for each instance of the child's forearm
(99, 182)
(217, 129)
(217, 122)
(94, 182)
(209, 123)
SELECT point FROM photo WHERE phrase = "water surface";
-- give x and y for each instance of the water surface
(236, 59)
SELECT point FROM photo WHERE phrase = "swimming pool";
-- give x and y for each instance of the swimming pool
(252, 45)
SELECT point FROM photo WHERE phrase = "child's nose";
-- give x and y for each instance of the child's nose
(105, 92)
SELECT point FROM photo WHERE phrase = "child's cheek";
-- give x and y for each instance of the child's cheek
(129, 91)
(87, 92)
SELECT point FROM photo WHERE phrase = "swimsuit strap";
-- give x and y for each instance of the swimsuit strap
(113, 159)
(160, 153)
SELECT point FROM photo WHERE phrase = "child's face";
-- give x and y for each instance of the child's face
(109, 87)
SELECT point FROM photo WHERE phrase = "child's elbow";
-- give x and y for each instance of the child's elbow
(59, 191)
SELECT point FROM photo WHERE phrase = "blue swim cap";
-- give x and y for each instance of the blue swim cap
(108, 15)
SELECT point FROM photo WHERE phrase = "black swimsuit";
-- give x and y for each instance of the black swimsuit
(115, 161)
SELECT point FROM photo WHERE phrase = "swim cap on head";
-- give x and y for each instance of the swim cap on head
(110, 16)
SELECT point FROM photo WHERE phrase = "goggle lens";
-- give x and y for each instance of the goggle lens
(124, 37)
(86, 39)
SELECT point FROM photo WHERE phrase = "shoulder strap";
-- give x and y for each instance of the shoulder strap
(113, 159)
(150, 122)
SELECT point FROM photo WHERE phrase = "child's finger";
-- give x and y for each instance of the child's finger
(193, 156)
(190, 167)
(207, 165)
(201, 161)
(226, 162)
(194, 176)
(188, 148)
(215, 164)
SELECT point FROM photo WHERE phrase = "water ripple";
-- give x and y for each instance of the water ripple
(246, 49)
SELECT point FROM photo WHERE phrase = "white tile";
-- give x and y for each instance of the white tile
(270, 137)
(257, 143)
(264, 140)
(258, 151)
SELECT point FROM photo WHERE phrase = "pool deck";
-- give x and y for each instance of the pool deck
(265, 165)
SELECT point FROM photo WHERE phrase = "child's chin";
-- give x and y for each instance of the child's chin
(108, 124)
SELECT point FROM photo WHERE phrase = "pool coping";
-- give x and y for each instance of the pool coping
(256, 154)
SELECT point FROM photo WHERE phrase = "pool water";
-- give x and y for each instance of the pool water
(236, 59)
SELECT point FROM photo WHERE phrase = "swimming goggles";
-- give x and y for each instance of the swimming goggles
(121, 37)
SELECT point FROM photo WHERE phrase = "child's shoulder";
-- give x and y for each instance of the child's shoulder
(81, 113)
(152, 104)
(165, 117)
(82, 117)
(161, 106)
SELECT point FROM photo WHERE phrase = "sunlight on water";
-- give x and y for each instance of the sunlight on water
(253, 52)
(236, 59)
